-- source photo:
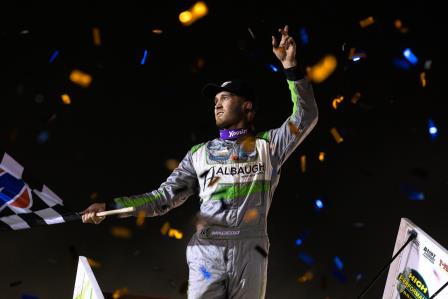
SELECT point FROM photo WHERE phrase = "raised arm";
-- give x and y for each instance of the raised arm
(285, 139)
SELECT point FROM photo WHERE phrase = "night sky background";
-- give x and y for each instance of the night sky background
(117, 133)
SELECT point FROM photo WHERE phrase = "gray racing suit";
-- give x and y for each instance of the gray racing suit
(227, 258)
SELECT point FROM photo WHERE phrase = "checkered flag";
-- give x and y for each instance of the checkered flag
(22, 206)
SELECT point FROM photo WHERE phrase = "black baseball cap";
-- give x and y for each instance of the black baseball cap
(239, 87)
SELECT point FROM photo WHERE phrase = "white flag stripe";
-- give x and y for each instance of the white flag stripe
(15, 222)
(45, 198)
(47, 191)
(12, 166)
(50, 216)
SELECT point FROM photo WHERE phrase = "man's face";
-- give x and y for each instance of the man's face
(228, 109)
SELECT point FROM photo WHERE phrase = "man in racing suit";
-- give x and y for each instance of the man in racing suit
(236, 176)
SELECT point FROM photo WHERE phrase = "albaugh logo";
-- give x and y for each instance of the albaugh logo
(429, 255)
(232, 170)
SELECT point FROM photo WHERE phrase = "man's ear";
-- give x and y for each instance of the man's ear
(247, 106)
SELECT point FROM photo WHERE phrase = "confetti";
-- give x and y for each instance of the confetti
(145, 53)
(299, 242)
(96, 36)
(248, 144)
(53, 56)
(308, 276)
(427, 65)
(272, 67)
(293, 128)
(355, 97)
(336, 135)
(250, 215)
(197, 11)
(121, 232)
(66, 99)
(366, 22)
(157, 31)
(399, 25)
(80, 78)
(318, 204)
(251, 33)
(205, 273)
(93, 263)
(356, 56)
(407, 53)
(401, 63)
(261, 251)
(303, 163)
(423, 79)
(432, 129)
(336, 101)
(165, 228)
(359, 277)
(321, 156)
(304, 39)
(323, 69)
(141, 216)
(43, 137)
(411, 192)
(338, 263)
(175, 233)
(118, 293)
(171, 164)
(306, 258)
(24, 31)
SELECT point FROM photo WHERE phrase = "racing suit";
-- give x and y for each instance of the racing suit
(227, 258)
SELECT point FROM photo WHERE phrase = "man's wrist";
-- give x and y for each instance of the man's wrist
(294, 73)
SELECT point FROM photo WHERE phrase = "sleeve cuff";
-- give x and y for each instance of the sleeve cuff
(111, 205)
(294, 73)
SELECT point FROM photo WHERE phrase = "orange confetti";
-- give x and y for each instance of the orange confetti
(93, 263)
(321, 156)
(141, 216)
(197, 11)
(66, 99)
(121, 232)
(303, 163)
(157, 31)
(293, 128)
(80, 78)
(356, 97)
(423, 79)
(337, 101)
(175, 233)
(213, 181)
(165, 228)
(250, 215)
(96, 36)
(336, 135)
(366, 22)
(118, 293)
(248, 144)
(399, 25)
(308, 276)
(171, 164)
(323, 69)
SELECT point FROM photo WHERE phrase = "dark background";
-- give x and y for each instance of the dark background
(115, 137)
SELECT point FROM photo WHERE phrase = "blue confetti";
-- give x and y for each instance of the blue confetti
(54, 55)
(400, 63)
(304, 36)
(144, 57)
(338, 263)
(356, 58)
(306, 258)
(272, 68)
(411, 192)
(299, 242)
(318, 204)
(205, 273)
(432, 129)
(407, 53)
(416, 196)
(43, 137)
